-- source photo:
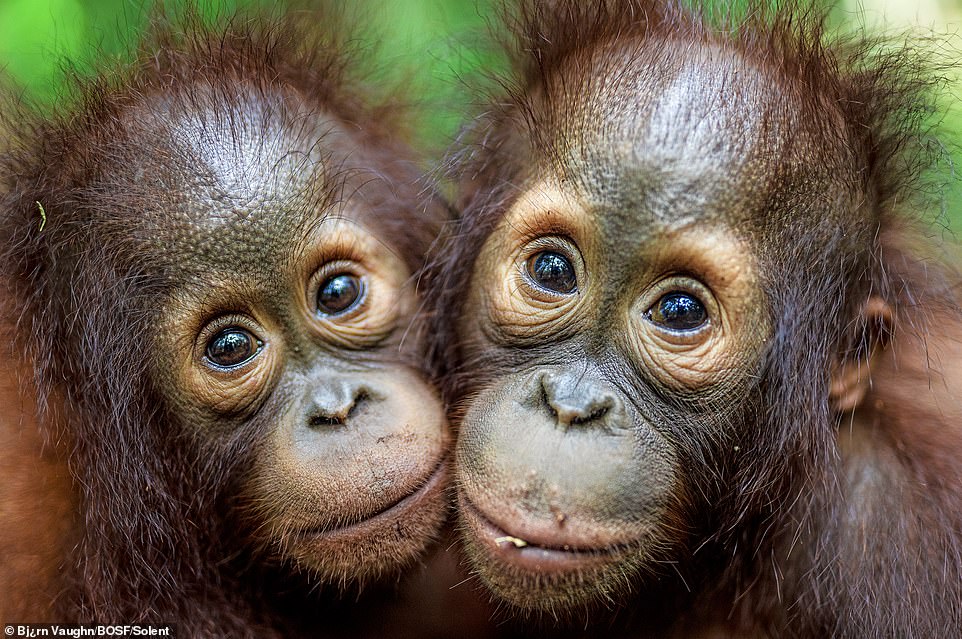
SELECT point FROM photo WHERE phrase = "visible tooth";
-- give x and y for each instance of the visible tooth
(508, 539)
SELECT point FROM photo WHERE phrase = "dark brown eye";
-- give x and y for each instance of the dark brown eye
(552, 271)
(678, 311)
(338, 293)
(232, 347)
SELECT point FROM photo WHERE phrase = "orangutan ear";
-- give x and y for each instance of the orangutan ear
(851, 376)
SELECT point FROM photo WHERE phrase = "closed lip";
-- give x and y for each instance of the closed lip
(535, 555)
(390, 514)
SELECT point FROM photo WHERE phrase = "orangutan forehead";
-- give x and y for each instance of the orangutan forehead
(205, 174)
(702, 108)
(666, 128)
(256, 151)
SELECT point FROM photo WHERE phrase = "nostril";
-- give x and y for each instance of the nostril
(574, 404)
(595, 412)
(329, 416)
(360, 400)
(318, 421)
(579, 414)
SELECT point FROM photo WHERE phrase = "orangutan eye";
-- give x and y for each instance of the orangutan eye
(552, 271)
(678, 311)
(338, 294)
(232, 347)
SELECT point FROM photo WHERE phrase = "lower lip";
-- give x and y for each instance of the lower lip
(389, 516)
(532, 557)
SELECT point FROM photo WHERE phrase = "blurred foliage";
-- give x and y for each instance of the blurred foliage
(434, 46)
(430, 43)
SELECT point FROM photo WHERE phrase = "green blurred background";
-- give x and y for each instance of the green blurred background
(433, 44)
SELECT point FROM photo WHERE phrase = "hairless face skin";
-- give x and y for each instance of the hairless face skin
(679, 253)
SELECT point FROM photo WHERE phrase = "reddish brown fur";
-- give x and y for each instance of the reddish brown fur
(836, 525)
(38, 500)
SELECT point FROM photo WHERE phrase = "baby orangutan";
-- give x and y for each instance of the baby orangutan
(703, 369)
(216, 394)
